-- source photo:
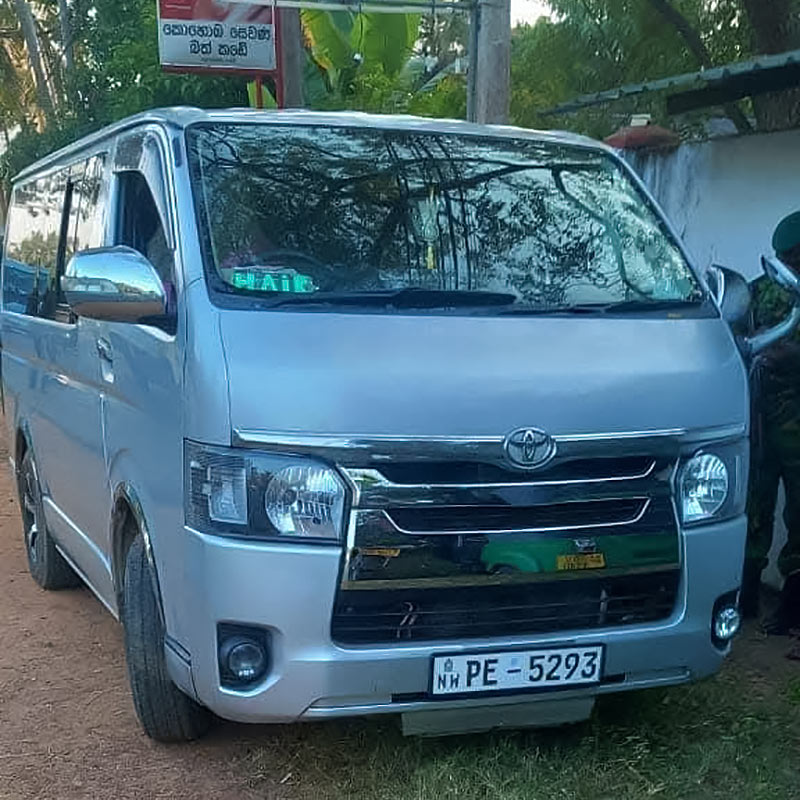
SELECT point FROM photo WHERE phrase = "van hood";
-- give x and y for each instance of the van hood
(379, 374)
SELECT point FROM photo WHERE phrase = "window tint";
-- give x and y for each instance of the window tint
(30, 284)
(305, 209)
(85, 229)
(139, 224)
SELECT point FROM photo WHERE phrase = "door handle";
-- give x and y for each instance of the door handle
(104, 350)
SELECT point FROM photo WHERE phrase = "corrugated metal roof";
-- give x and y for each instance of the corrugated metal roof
(701, 79)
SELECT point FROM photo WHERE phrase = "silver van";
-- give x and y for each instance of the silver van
(345, 414)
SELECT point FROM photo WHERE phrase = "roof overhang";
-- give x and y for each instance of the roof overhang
(704, 88)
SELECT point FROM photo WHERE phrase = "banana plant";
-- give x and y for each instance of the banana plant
(343, 43)
(364, 60)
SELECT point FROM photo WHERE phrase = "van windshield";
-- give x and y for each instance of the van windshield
(315, 215)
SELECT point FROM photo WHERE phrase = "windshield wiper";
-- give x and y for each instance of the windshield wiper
(621, 307)
(551, 311)
(627, 306)
(410, 297)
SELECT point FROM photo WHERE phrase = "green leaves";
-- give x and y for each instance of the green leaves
(367, 62)
(385, 39)
(328, 36)
(347, 45)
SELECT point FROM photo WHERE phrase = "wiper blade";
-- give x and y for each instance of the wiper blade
(551, 311)
(625, 306)
(410, 297)
(622, 307)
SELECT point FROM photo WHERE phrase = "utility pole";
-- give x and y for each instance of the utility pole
(489, 78)
(292, 57)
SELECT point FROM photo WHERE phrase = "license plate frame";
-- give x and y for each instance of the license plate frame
(519, 652)
(580, 561)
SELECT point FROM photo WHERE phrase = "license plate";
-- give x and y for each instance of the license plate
(516, 670)
(581, 561)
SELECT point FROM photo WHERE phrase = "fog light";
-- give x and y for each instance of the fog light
(726, 623)
(242, 660)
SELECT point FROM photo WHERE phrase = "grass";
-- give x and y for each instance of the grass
(734, 736)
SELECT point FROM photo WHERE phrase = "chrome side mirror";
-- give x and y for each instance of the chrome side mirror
(778, 271)
(115, 284)
(731, 292)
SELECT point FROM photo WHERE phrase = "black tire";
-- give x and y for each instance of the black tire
(47, 566)
(164, 711)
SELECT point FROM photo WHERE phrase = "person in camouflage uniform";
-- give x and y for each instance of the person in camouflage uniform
(775, 446)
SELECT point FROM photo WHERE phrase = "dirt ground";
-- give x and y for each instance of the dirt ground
(67, 726)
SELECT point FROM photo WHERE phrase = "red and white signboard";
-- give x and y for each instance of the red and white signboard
(216, 35)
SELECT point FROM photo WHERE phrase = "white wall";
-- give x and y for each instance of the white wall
(725, 197)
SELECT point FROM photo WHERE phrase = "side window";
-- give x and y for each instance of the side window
(32, 251)
(19, 277)
(139, 226)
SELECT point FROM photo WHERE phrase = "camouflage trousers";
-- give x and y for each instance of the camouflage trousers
(774, 460)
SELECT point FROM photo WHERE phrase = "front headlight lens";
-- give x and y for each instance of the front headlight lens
(238, 492)
(305, 500)
(703, 487)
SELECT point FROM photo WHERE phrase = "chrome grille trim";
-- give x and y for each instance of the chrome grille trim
(373, 490)
(244, 437)
(368, 450)
(363, 518)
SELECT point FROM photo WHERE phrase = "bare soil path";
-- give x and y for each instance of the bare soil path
(67, 726)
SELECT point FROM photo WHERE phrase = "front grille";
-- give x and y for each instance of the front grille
(444, 519)
(468, 473)
(386, 615)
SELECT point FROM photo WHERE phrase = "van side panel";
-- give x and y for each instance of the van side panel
(64, 420)
(143, 403)
(142, 418)
(52, 380)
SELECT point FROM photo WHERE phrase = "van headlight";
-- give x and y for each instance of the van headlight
(236, 492)
(712, 484)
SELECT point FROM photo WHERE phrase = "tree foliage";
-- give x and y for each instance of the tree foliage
(593, 45)
(70, 66)
(365, 61)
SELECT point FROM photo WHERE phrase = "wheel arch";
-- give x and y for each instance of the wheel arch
(127, 522)
(22, 443)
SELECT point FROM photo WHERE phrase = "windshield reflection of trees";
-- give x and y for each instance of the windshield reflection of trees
(558, 225)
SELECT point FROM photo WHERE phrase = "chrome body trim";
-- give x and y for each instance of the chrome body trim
(353, 449)
(474, 581)
(520, 495)
(363, 517)
(115, 284)
(373, 490)
(779, 273)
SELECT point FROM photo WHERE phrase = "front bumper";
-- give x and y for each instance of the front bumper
(290, 591)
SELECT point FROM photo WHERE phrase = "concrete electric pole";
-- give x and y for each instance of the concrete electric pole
(292, 57)
(489, 79)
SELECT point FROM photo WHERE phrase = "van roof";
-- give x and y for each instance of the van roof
(181, 117)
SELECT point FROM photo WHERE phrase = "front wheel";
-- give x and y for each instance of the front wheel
(47, 566)
(164, 711)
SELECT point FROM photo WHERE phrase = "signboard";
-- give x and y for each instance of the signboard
(214, 35)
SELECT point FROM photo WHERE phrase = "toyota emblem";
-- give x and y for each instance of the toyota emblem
(529, 448)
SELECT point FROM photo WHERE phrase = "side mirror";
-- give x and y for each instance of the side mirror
(778, 271)
(732, 293)
(115, 284)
